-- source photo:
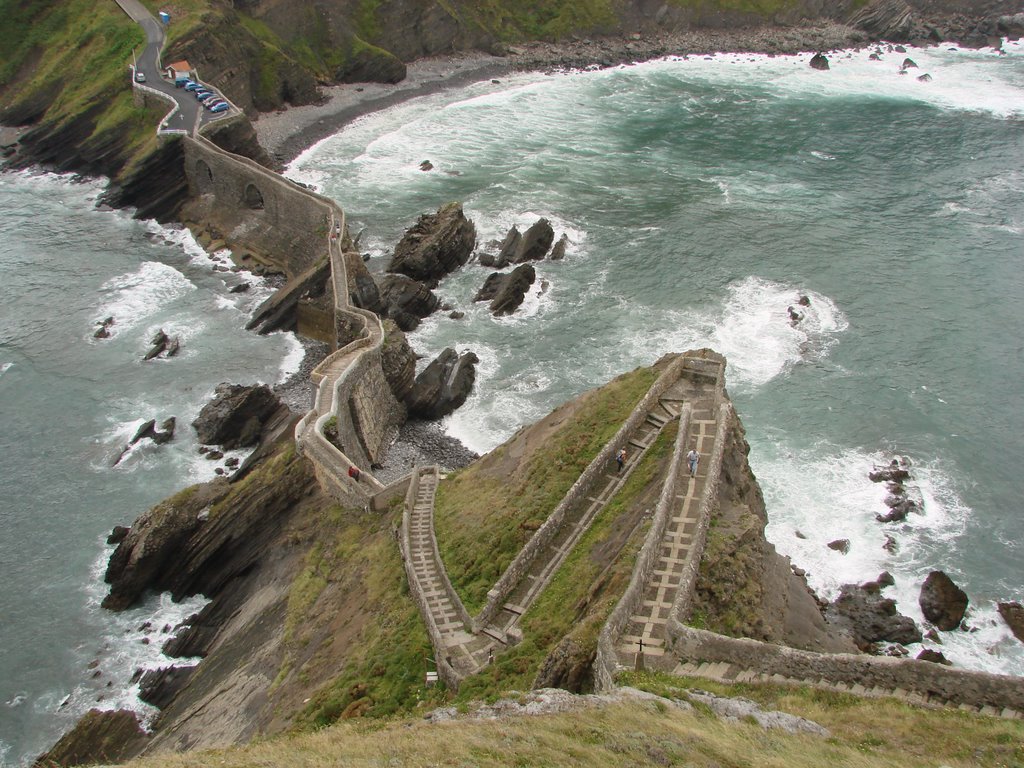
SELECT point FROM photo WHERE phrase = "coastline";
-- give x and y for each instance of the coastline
(288, 133)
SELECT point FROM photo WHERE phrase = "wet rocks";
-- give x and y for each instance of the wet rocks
(819, 61)
(942, 602)
(159, 686)
(149, 431)
(98, 737)
(870, 618)
(930, 654)
(506, 292)
(407, 301)
(438, 244)
(1013, 615)
(103, 332)
(162, 344)
(535, 242)
(236, 415)
(840, 545)
(443, 385)
(901, 501)
(558, 252)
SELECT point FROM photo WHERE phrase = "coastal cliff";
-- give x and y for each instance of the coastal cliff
(310, 618)
(64, 81)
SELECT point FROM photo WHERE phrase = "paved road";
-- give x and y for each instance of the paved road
(190, 115)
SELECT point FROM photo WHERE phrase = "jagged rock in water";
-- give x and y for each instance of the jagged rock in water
(1013, 615)
(925, 78)
(443, 385)
(535, 243)
(908, 63)
(236, 415)
(407, 301)
(117, 534)
(159, 686)
(506, 292)
(937, 657)
(439, 243)
(103, 332)
(884, 19)
(819, 61)
(840, 545)
(942, 602)
(98, 737)
(157, 344)
(871, 618)
(558, 252)
(148, 430)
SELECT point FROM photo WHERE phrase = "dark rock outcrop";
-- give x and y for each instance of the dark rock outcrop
(443, 385)
(871, 618)
(398, 361)
(942, 602)
(236, 415)
(407, 301)
(507, 250)
(819, 61)
(1013, 615)
(98, 737)
(506, 292)
(535, 243)
(558, 252)
(159, 686)
(162, 344)
(438, 244)
(840, 545)
(884, 19)
(929, 654)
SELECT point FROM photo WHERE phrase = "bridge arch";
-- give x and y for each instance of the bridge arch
(204, 177)
(252, 197)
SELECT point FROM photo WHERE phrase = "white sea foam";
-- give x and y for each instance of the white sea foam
(132, 641)
(133, 297)
(756, 336)
(961, 80)
(5, 368)
(293, 357)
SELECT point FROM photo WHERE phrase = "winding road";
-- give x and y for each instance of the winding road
(190, 116)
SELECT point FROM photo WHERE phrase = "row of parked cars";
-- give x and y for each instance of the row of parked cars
(207, 96)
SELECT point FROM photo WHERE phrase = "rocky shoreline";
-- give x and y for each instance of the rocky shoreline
(286, 134)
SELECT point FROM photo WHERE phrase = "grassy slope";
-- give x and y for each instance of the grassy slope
(864, 734)
(484, 516)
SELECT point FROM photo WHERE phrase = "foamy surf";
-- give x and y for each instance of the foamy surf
(132, 297)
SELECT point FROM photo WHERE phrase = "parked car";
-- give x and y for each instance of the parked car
(140, 77)
(181, 82)
(193, 87)
(200, 95)
(210, 97)
(222, 107)
(213, 103)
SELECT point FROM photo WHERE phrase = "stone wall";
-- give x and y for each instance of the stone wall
(607, 659)
(955, 686)
(497, 595)
(255, 208)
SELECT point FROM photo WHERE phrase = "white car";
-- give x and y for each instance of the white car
(140, 77)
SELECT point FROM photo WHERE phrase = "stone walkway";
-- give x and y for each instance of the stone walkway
(646, 629)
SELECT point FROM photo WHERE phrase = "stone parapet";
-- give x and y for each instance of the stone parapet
(497, 595)
(606, 660)
(940, 683)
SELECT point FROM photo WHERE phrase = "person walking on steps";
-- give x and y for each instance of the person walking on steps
(693, 459)
(620, 459)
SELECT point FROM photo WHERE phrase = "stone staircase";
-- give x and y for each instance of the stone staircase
(644, 634)
(503, 626)
(459, 651)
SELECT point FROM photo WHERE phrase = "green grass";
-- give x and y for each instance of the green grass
(483, 518)
(882, 729)
(584, 590)
(384, 673)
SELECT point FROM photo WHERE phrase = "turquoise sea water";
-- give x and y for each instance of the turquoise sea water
(68, 405)
(701, 197)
